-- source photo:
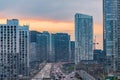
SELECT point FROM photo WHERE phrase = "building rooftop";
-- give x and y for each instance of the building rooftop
(80, 15)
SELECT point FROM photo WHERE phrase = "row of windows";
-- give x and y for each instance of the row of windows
(7, 26)
(11, 46)
(9, 39)
(12, 36)
(7, 35)
(7, 46)
(7, 31)
(9, 51)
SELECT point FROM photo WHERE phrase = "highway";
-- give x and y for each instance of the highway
(59, 75)
(44, 73)
(55, 70)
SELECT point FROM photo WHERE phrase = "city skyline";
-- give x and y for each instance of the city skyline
(55, 17)
(60, 39)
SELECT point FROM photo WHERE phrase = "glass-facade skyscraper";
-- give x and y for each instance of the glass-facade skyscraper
(111, 31)
(118, 35)
(42, 47)
(83, 37)
(61, 47)
(72, 55)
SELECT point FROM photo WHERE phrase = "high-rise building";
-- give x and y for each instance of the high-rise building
(111, 31)
(83, 37)
(99, 56)
(42, 47)
(72, 55)
(61, 47)
(33, 54)
(118, 37)
(52, 48)
(46, 33)
(40, 41)
(33, 36)
(14, 50)
(33, 49)
(23, 55)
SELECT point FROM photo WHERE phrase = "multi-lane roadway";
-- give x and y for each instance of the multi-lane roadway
(55, 70)
(59, 75)
(44, 73)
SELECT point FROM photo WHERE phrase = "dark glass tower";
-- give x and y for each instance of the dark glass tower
(61, 47)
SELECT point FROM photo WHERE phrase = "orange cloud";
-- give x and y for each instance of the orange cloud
(63, 26)
(51, 26)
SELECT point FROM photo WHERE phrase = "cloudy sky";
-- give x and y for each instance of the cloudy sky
(52, 15)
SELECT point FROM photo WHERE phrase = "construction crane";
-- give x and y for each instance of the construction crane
(95, 43)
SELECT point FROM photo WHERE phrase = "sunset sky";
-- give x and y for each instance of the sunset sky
(52, 15)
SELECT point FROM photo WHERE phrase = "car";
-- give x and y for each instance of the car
(60, 77)
(63, 76)
(71, 77)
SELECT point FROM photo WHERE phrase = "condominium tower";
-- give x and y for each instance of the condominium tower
(14, 49)
(111, 33)
(61, 47)
(83, 37)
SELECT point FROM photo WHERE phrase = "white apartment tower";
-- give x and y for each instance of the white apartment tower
(14, 50)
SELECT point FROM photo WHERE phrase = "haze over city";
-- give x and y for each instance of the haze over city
(59, 39)
(52, 15)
